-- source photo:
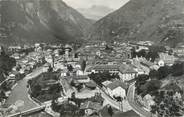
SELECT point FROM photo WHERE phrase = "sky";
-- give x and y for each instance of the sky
(114, 4)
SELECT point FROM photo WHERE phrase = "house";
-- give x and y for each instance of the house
(88, 56)
(64, 73)
(78, 79)
(117, 89)
(167, 59)
(179, 50)
(105, 83)
(91, 85)
(127, 72)
(81, 78)
(15, 75)
(57, 52)
(14, 48)
(16, 56)
(90, 107)
(67, 49)
(148, 101)
(102, 68)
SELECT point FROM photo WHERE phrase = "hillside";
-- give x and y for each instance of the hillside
(30, 21)
(155, 20)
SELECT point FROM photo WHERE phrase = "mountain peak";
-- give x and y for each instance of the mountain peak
(95, 12)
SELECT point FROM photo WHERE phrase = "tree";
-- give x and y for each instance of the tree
(70, 68)
(177, 69)
(73, 95)
(68, 109)
(133, 52)
(36, 90)
(83, 65)
(6, 63)
(153, 74)
(152, 55)
(2, 96)
(56, 88)
(55, 106)
(110, 111)
(148, 88)
(50, 69)
(163, 72)
(141, 53)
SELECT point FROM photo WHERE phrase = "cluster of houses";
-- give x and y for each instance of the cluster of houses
(116, 59)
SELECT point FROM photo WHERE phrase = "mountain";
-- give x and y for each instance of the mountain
(155, 20)
(95, 12)
(30, 21)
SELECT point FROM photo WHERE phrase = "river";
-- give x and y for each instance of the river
(20, 92)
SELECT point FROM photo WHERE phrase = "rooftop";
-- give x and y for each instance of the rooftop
(116, 84)
(126, 69)
(106, 67)
(91, 105)
(79, 77)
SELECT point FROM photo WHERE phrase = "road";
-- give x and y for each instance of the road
(138, 109)
(20, 92)
(110, 101)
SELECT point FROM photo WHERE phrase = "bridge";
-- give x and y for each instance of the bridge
(27, 112)
(37, 109)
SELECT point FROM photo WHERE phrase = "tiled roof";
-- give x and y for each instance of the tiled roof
(91, 84)
(91, 105)
(106, 67)
(116, 84)
(126, 69)
(79, 77)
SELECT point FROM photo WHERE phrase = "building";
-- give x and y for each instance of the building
(14, 48)
(67, 49)
(117, 89)
(148, 101)
(127, 72)
(78, 79)
(1, 50)
(179, 50)
(82, 79)
(90, 107)
(16, 56)
(102, 68)
(167, 59)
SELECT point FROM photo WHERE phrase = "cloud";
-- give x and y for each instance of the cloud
(115, 4)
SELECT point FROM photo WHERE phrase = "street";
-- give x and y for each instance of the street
(134, 105)
(123, 106)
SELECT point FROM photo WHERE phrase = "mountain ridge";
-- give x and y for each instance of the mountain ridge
(30, 21)
(142, 20)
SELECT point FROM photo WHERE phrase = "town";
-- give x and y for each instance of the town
(93, 79)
